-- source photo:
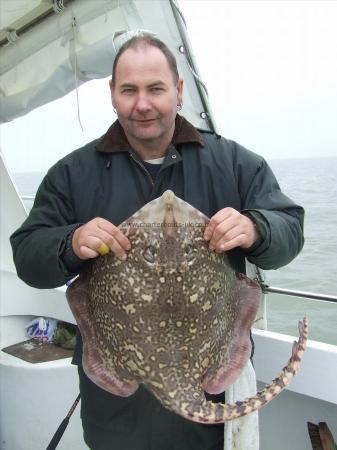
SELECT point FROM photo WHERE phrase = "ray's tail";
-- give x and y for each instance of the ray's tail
(209, 413)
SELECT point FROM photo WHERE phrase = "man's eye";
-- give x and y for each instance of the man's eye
(128, 91)
(157, 89)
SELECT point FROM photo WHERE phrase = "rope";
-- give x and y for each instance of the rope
(58, 6)
(11, 35)
(74, 28)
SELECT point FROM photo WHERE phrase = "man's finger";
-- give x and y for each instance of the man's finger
(113, 232)
(216, 220)
(225, 230)
(87, 253)
(222, 246)
(104, 247)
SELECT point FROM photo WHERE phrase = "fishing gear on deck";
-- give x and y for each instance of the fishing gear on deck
(61, 429)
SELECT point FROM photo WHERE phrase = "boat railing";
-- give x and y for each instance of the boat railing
(259, 276)
(294, 293)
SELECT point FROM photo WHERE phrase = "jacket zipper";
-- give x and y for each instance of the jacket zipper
(143, 168)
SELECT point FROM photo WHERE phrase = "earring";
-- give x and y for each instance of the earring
(179, 107)
(114, 110)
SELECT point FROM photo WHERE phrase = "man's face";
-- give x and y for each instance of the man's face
(145, 95)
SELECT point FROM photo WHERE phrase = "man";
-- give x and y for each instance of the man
(88, 193)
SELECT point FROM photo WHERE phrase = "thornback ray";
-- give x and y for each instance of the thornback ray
(174, 316)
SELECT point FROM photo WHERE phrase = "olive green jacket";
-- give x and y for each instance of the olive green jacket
(106, 179)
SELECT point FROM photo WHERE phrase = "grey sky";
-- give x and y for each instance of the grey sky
(271, 71)
(270, 68)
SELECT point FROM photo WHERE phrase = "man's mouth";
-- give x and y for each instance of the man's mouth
(145, 120)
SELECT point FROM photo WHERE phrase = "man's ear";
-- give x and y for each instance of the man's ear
(180, 86)
(111, 86)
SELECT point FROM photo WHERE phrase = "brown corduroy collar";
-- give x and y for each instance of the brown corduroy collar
(115, 140)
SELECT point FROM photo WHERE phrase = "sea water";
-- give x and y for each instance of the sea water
(311, 183)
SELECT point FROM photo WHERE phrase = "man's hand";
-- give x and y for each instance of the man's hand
(228, 229)
(88, 238)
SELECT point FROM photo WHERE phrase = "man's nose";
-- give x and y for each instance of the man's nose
(143, 104)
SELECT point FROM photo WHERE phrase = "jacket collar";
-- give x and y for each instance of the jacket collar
(115, 140)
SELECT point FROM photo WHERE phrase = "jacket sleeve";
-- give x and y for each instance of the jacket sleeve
(277, 217)
(40, 242)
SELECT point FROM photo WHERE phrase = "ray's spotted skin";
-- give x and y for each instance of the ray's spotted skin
(173, 316)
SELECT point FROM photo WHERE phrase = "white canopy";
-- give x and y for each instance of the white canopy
(47, 49)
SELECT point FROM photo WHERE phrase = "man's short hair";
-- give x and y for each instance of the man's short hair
(147, 40)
